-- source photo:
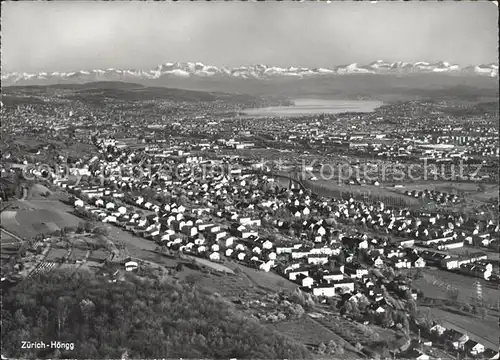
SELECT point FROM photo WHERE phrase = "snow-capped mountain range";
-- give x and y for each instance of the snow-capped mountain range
(188, 69)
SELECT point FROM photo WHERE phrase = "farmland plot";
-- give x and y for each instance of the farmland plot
(43, 267)
(55, 254)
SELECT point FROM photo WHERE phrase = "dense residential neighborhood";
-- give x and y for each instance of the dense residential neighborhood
(241, 217)
(187, 184)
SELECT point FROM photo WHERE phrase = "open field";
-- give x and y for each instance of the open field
(78, 242)
(210, 264)
(445, 186)
(27, 141)
(38, 191)
(232, 285)
(255, 153)
(79, 149)
(435, 282)
(92, 240)
(485, 331)
(309, 332)
(92, 265)
(267, 280)
(332, 188)
(448, 187)
(98, 256)
(37, 216)
(491, 192)
(78, 254)
(136, 246)
(9, 217)
(54, 254)
(71, 267)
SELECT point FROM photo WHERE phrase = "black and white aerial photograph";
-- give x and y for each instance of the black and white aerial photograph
(250, 180)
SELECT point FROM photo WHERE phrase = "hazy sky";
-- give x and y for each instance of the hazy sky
(64, 36)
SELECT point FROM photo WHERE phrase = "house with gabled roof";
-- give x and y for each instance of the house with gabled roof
(438, 329)
(333, 276)
(354, 242)
(266, 265)
(434, 258)
(188, 247)
(317, 259)
(203, 227)
(304, 280)
(240, 247)
(326, 290)
(473, 347)
(227, 242)
(377, 308)
(320, 249)
(458, 339)
(256, 250)
(401, 263)
(285, 249)
(292, 274)
(248, 234)
(418, 354)
(264, 244)
(271, 255)
(377, 261)
(355, 271)
(214, 256)
(332, 288)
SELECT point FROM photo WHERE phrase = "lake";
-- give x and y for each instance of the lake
(304, 107)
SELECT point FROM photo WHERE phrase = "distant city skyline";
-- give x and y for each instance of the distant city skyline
(69, 36)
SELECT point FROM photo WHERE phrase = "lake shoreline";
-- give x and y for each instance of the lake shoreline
(311, 107)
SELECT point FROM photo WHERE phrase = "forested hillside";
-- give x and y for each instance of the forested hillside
(146, 318)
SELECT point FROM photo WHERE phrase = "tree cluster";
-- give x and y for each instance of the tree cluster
(145, 317)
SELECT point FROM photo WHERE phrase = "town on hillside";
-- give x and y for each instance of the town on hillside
(307, 181)
(199, 199)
